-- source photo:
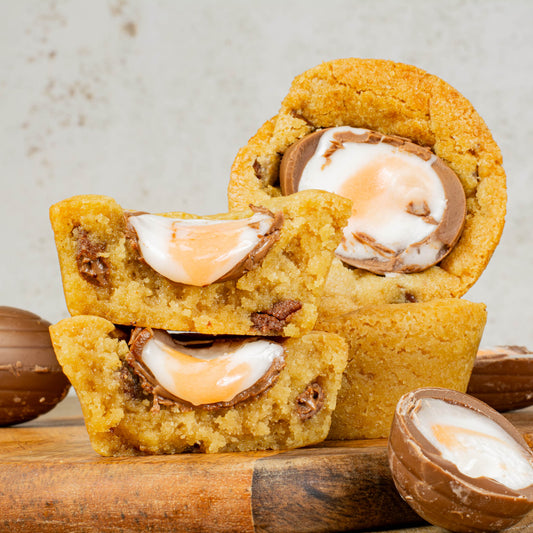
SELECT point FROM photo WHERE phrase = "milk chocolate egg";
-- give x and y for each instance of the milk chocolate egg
(31, 379)
(503, 377)
(459, 463)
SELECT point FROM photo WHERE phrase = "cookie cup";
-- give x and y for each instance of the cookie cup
(393, 99)
(396, 348)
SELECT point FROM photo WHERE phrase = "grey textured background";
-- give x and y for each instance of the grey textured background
(149, 101)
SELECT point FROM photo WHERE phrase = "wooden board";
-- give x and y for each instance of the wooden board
(51, 480)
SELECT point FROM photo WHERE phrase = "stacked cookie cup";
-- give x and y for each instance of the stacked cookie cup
(364, 129)
(282, 322)
(196, 334)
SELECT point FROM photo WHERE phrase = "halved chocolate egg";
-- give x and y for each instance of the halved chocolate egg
(503, 377)
(459, 463)
(200, 251)
(408, 206)
(31, 379)
(218, 374)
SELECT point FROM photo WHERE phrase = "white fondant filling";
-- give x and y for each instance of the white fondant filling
(477, 445)
(199, 265)
(383, 214)
(487, 352)
(218, 369)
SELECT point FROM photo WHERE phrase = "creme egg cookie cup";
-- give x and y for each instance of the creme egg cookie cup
(422, 237)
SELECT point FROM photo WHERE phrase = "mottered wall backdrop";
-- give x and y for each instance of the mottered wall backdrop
(149, 102)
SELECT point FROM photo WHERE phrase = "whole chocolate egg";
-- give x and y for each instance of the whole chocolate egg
(31, 379)
(503, 377)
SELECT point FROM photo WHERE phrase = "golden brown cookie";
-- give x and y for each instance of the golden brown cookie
(125, 266)
(396, 348)
(126, 415)
(395, 100)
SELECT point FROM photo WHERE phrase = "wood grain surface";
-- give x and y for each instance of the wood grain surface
(51, 480)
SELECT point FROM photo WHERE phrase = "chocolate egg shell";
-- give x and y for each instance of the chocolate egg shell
(435, 487)
(503, 377)
(31, 379)
(294, 161)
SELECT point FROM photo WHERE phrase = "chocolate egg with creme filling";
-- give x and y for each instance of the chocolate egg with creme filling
(408, 208)
(220, 372)
(503, 377)
(31, 379)
(203, 251)
(459, 463)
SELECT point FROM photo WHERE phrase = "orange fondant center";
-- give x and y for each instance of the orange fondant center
(486, 352)
(205, 381)
(385, 185)
(205, 251)
(449, 436)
